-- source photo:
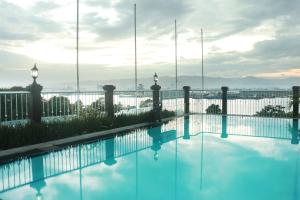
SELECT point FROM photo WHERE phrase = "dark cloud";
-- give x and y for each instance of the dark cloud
(96, 24)
(154, 18)
(20, 24)
(224, 18)
(269, 9)
(281, 47)
(281, 53)
(219, 18)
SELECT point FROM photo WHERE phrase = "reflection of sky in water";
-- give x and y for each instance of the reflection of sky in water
(205, 166)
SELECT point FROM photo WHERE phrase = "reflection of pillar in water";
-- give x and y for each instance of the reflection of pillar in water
(186, 125)
(295, 132)
(224, 127)
(110, 152)
(155, 133)
(37, 170)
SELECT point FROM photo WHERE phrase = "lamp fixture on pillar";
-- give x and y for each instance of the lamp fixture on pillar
(155, 77)
(34, 72)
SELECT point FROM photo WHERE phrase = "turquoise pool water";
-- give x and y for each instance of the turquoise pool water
(200, 157)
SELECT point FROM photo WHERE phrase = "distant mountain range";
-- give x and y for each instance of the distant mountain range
(194, 82)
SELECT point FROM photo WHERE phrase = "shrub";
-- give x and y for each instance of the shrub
(213, 109)
(21, 135)
(272, 111)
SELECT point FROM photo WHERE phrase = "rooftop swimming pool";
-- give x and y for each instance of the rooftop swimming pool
(197, 157)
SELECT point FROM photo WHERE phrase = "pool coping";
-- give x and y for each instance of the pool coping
(40, 148)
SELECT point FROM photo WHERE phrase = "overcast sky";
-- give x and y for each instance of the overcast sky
(241, 38)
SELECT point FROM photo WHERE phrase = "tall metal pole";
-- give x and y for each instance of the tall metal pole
(135, 56)
(77, 45)
(77, 56)
(202, 70)
(135, 63)
(202, 120)
(176, 74)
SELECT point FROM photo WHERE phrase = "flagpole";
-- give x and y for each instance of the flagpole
(135, 54)
(202, 121)
(77, 56)
(202, 67)
(176, 74)
(77, 45)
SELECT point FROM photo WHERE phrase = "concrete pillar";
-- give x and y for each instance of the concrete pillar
(224, 100)
(156, 103)
(109, 99)
(296, 96)
(35, 113)
(186, 99)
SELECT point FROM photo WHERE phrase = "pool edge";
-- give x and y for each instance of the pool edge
(40, 148)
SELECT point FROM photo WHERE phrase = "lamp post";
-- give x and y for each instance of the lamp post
(36, 99)
(156, 105)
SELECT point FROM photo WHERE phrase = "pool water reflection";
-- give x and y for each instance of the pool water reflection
(196, 157)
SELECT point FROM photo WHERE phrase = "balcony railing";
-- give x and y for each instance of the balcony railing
(263, 103)
(15, 106)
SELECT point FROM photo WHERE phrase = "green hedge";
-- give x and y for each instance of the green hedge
(21, 135)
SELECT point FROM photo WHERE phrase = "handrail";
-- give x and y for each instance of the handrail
(14, 92)
(129, 91)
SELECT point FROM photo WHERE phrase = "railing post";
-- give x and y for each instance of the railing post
(109, 99)
(186, 99)
(35, 113)
(224, 100)
(296, 96)
(156, 105)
